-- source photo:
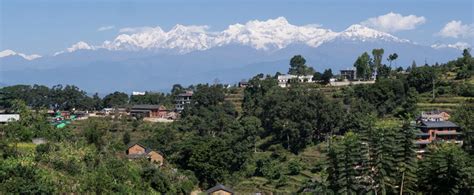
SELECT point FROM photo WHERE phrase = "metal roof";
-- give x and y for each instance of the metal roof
(219, 187)
(448, 133)
(187, 94)
(422, 134)
(420, 142)
(146, 107)
(438, 124)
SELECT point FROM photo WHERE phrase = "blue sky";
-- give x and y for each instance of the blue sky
(47, 26)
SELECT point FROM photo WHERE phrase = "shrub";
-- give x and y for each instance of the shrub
(294, 167)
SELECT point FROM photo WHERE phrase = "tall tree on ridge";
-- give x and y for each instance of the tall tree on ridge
(363, 67)
(392, 57)
(378, 56)
(298, 66)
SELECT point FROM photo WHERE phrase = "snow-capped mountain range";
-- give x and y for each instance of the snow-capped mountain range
(261, 35)
(272, 34)
(8, 52)
(154, 59)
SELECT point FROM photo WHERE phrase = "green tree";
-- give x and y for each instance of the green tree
(464, 116)
(97, 102)
(298, 66)
(213, 159)
(94, 132)
(422, 78)
(378, 56)
(115, 99)
(294, 167)
(363, 66)
(446, 169)
(177, 89)
(327, 75)
(126, 138)
(317, 76)
(405, 157)
(253, 129)
(380, 164)
(344, 168)
(392, 57)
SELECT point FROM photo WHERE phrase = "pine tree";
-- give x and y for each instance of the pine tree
(446, 169)
(345, 161)
(405, 158)
(379, 167)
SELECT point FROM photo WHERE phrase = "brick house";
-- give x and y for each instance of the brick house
(138, 151)
(436, 131)
(135, 149)
(146, 110)
(156, 157)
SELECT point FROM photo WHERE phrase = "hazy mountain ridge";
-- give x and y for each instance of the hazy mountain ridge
(152, 59)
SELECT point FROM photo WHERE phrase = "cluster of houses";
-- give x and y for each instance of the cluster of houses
(149, 112)
(138, 151)
(434, 126)
(346, 77)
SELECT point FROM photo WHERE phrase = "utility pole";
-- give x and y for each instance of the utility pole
(401, 187)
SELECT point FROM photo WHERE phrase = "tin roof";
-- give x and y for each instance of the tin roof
(219, 187)
(145, 107)
(438, 124)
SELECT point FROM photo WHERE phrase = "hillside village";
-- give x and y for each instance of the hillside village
(372, 128)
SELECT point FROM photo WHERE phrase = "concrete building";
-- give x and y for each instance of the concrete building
(349, 74)
(182, 99)
(5, 118)
(285, 80)
(243, 84)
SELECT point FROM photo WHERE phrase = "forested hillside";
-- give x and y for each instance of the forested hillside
(308, 137)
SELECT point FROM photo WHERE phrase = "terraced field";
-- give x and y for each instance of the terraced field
(447, 103)
(310, 157)
(236, 97)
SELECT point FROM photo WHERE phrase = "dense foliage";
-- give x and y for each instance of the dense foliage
(355, 139)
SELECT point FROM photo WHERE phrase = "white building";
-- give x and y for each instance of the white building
(284, 80)
(138, 93)
(4, 118)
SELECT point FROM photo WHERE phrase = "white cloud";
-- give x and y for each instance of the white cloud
(104, 28)
(393, 22)
(58, 53)
(456, 29)
(135, 29)
(457, 45)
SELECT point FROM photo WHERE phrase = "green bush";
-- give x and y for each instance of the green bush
(294, 167)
